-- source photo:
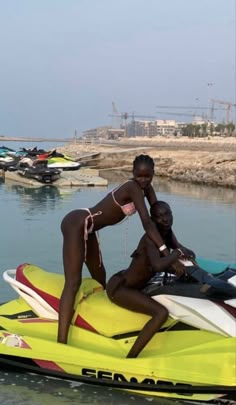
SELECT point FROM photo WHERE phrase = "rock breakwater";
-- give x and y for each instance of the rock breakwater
(210, 161)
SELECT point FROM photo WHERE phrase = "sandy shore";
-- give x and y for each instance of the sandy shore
(200, 160)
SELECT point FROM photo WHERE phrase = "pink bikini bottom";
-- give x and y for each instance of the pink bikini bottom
(88, 231)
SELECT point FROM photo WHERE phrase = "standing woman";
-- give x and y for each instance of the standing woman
(79, 232)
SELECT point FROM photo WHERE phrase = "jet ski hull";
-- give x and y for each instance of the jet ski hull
(39, 171)
(181, 361)
(63, 163)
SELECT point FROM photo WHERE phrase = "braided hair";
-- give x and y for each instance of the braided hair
(143, 159)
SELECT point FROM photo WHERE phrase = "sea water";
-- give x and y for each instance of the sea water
(204, 220)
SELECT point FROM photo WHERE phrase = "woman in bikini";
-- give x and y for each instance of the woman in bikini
(125, 287)
(79, 233)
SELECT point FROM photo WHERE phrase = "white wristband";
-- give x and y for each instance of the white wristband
(163, 247)
(181, 252)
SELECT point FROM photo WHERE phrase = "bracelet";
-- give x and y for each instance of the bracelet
(163, 247)
(181, 252)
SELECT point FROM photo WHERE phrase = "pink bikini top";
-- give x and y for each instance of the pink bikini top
(127, 209)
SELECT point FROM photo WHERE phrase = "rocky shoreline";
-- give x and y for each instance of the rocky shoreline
(210, 161)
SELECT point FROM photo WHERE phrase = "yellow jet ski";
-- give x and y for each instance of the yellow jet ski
(192, 357)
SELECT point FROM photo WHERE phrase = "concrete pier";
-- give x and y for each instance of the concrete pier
(70, 178)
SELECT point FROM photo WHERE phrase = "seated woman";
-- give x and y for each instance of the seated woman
(124, 288)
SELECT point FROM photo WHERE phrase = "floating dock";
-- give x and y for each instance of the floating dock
(68, 178)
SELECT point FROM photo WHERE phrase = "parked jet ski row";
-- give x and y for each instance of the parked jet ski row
(192, 357)
(37, 164)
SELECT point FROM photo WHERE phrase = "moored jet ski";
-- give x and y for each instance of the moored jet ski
(37, 170)
(6, 161)
(61, 161)
(191, 357)
(4, 151)
(33, 152)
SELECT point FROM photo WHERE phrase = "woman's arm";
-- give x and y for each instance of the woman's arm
(149, 227)
(159, 264)
(135, 194)
(150, 195)
(175, 244)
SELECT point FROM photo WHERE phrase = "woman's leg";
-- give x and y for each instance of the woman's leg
(136, 301)
(94, 260)
(207, 278)
(73, 257)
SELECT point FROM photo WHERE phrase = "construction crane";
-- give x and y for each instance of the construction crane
(194, 109)
(187, 107)
(114, 109)
(126, 116)
(228, 108)
(115, 115)
(183, 107)
(177, 113)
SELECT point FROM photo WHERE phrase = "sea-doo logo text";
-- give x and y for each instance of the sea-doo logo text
(106, 375)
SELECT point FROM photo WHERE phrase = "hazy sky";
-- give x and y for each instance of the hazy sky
(63, 62)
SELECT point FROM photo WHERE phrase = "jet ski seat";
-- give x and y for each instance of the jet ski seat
(93, 309)
(41, 290)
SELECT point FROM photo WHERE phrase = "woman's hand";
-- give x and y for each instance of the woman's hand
(178, 267)
(188, 253)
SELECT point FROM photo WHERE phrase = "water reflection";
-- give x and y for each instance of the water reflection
(27, 389)
(44, 198)
(196, 191)
(167, 186)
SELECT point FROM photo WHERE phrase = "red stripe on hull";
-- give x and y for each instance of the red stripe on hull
(50, 299)
(38, 320)
(49, 365)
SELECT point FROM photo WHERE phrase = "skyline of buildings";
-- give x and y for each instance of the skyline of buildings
(157, 127)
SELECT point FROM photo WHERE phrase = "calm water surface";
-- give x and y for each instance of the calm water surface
(205, 220)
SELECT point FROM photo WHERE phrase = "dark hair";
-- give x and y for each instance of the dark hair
(146, 159)
(156, 205)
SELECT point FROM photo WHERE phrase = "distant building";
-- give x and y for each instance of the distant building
(115, 133)
(95, 133)
(166, 127)
(152, 128)
(138, 128)
(197, 120)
